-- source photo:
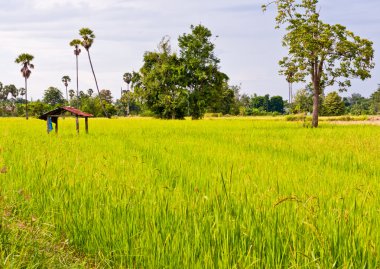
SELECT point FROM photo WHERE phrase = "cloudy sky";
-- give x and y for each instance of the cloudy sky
(247, 44)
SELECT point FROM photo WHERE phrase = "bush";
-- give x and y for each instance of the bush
(297, 117)
(147, 113)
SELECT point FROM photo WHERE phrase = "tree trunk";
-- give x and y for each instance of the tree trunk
(97, 87)
(77, 83)
(67, 96)
(315, 106)
(128, 96)
(26, 98)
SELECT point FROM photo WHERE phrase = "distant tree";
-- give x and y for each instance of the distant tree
(37, 108)
(258, 102)
(160, 83)
(106, 95)
(276, 104)
(302, 102)
(76, 43)
(90, 92)
(201, 75)
(375, 101)
(88, 37)
(245, 100)
(127, 77)
(25, 60)
(3, 93)
(53, 96)
(82, 95)
(228, 101)
(13, 91)
(357, 104)
(333, 105)
(71, 94)
(329, 54)
(266, 103)
(66, 80)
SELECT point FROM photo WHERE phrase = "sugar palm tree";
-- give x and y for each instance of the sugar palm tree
(25, 60)
(71, 94)
(127, 77)
(66, 80)
(75, 43)
(86, 42)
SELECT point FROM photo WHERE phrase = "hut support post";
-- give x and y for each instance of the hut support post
(86, 123)
(77, 123)
(47, 125)
(56, 126)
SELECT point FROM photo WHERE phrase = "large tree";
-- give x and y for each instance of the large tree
(201, 75)
(327, 54)
(88, 37)
(160, 83)
(25, 60)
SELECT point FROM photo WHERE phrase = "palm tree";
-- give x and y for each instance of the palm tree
(66, 80)
(87, 41)
(75, 43)
(127, 77)
(71, 94)
(25, 60)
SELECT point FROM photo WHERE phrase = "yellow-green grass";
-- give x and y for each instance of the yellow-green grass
(226, 193)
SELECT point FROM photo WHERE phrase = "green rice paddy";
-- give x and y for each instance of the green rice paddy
(223, 193)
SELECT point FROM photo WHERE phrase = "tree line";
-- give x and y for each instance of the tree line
(12, 103)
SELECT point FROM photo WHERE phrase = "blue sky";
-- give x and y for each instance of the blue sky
(247, 44)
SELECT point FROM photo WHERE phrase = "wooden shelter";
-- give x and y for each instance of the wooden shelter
(53, 115)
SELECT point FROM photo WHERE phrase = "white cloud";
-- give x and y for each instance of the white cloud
(248, 45)
(92, 4)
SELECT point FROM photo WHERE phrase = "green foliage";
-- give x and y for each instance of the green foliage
(88, 37)
(25, 60)
(127, 77)
(38, 108)
(276, 104)
(333, 105)
(53, 96)
(263, 105)
(303, 102)
(66, 80)
(160, 84)
(375, 101)
(200, 71)
(357, 105)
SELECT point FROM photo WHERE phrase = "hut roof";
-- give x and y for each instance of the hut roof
(60, 110)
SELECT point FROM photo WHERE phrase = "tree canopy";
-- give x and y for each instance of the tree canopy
(53, 96)
(201, 75)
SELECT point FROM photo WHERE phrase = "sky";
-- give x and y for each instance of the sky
(247, 43)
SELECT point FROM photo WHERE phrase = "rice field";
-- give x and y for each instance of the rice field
(223, 193)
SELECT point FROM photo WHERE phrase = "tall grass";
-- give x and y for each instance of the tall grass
(236, 193)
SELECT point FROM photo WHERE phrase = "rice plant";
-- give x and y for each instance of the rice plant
(225, 193)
